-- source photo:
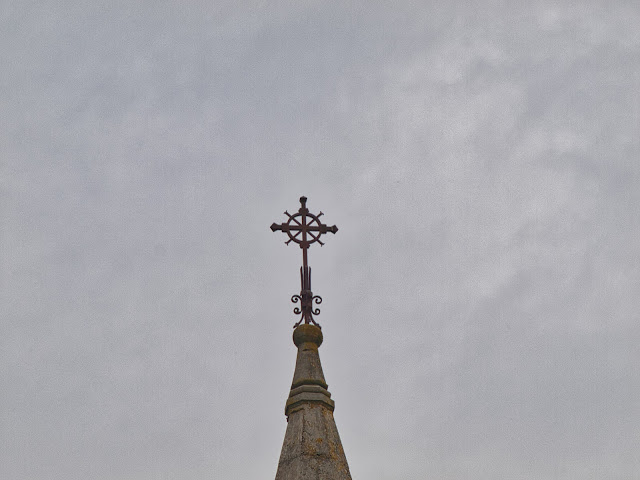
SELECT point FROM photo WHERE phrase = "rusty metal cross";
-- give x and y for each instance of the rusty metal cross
(304, 228)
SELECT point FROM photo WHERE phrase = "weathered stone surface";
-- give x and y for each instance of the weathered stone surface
(311, 449)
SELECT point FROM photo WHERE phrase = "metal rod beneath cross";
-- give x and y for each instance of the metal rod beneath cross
(309, 225)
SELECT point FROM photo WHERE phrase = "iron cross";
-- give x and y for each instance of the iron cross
(304, 228)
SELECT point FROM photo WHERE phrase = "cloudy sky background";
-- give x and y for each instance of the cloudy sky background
(480, 299)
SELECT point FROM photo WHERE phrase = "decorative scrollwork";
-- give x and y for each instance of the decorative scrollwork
(296, 299)
(318, 300)
(306, 310)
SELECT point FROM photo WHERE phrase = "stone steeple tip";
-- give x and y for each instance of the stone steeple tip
(312, 448)
(309, 385)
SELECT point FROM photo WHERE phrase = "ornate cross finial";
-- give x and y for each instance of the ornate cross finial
(304, 228)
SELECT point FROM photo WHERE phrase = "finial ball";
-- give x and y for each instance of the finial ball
(307, 332)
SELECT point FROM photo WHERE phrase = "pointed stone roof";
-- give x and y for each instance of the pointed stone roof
(311, 449)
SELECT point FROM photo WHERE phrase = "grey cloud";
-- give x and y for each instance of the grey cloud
(480, 313)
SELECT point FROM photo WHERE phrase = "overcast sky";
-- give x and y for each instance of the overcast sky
(481, 300)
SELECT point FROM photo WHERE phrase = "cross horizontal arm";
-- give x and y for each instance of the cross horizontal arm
(322, 228)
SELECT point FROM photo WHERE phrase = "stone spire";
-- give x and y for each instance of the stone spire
(311, 449)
